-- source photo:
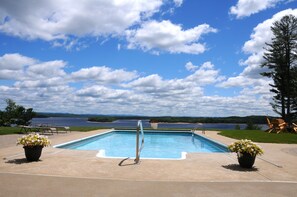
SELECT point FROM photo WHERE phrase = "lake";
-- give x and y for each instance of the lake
(72, 121)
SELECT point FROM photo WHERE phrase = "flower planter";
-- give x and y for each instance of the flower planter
(246, 152)
(33, 153)
(246, 160)
(154, 125)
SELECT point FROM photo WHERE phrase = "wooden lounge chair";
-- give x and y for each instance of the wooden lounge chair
(278, 125)
(294, 127)
(270, 125)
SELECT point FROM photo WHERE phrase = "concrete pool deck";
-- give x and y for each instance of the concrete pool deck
(63, 172)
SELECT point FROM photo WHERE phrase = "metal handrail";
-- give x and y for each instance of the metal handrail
(138, 150)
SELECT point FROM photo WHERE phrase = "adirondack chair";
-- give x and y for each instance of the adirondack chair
(294, 127)
(278, 125)
(270, 125)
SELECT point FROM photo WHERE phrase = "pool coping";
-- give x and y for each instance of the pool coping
(101, 152)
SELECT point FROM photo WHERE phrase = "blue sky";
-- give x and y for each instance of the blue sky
(170, 57)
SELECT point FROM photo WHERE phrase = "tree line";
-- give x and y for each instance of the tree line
(172, 119)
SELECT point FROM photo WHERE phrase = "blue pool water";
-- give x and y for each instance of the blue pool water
(167, 145)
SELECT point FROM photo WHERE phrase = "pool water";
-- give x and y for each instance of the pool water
(166, 145)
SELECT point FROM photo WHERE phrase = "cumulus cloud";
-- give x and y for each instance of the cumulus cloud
(47, 69)
(177, 89)
(205, 74)
(165, 36)
(15, 61)
(64, 23)
(262, 33)
(12, 65)
(60, 19)
(190, 66)
(102, 92)
(246, 8)
(104, 74)
(250, 79)
(46, 85)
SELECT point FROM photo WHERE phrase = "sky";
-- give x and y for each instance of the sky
(133, 57)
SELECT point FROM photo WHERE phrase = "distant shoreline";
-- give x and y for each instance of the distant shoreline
(168, 119)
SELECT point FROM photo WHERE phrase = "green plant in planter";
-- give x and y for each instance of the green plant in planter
(246, 152)
(33, 144)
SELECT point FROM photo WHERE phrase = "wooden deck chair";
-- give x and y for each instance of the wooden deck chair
(279, 125)
(270, 125)
(294, 127)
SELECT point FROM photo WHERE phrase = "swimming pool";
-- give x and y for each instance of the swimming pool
(157, 144)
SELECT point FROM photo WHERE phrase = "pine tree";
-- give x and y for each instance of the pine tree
(281, 60)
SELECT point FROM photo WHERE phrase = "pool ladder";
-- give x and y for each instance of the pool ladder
(138, 149)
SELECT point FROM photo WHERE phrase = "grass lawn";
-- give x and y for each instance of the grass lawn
(85, 129)
(16, 130)
(261, 136)
(9, 130)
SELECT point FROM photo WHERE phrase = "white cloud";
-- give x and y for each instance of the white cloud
(169, 37)
(104, 74)
(102, 90)
(177, 89)
(164, 93)
(44, 83)
(15, 61)
(190, 66)
(47, 69)
(245, 81)
(59, 19)
(12, 65)
(246, 8)
(205, 74)
(178, 3)
(256, 45)
(262, 33)
(250, 79)
(64, 22)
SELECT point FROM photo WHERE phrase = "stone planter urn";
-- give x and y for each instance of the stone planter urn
(154, 124)
(246, 160)
(33, 153)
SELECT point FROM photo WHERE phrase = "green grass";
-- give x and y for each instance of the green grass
(9, 130)
(17, 130)
(85, 129)
(261, 136)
